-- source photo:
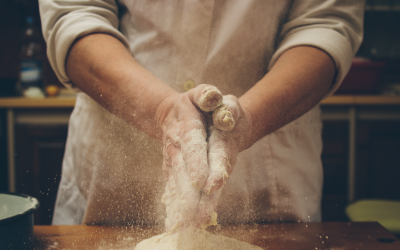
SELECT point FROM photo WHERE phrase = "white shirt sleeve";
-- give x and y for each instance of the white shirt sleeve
(64, 21)
(334, 26)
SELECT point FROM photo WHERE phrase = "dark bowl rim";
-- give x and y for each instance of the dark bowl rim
(17, 217)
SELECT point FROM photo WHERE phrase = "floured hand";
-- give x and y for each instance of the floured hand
(185, 151)
(230, 134)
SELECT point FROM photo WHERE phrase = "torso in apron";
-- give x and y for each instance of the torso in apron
(112, 172)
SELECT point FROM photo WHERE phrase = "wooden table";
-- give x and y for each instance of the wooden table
(328, 235)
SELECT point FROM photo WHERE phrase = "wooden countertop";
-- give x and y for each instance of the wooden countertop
(327, 235)
(21, 102)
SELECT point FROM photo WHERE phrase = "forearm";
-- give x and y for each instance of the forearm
(297, 82)
(103, 68)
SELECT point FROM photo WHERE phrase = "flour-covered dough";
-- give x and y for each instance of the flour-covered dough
(193, 240)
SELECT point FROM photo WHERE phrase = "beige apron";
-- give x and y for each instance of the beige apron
(112, 172)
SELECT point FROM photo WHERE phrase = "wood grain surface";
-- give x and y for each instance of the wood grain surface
(328, 235)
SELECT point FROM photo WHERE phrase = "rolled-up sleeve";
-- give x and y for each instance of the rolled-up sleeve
(64, 21)
(334, 26)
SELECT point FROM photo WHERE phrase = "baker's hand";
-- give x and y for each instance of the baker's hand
(185, 162)
(223, 148)
(184, 129)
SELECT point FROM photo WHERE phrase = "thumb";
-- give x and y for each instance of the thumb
(226, 115)
(205, 97)
(222, 152)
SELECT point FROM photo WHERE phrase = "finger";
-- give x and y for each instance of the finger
(171, 195)
(221, 159)
(194, 150)
(226, 115)
(165, 165)
(169, 198)
(182, 199)
(206, 97)
(207, 207)
(223, 118)
(189, 196)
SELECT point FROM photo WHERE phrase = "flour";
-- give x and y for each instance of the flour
(191, 239)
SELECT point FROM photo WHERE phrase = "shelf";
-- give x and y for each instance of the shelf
(361, 100)
(20, 102)
(386, 8)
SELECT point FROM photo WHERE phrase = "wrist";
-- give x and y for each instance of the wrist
(249, 137)
(164, 108)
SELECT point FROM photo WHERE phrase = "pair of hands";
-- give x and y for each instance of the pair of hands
(203, 132)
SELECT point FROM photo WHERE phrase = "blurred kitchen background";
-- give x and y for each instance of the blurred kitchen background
(361, 133)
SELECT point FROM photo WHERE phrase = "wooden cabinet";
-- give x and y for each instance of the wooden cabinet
(335, 160)
(3, 152)
(39, 153)
(377, 171)
(378, 158)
